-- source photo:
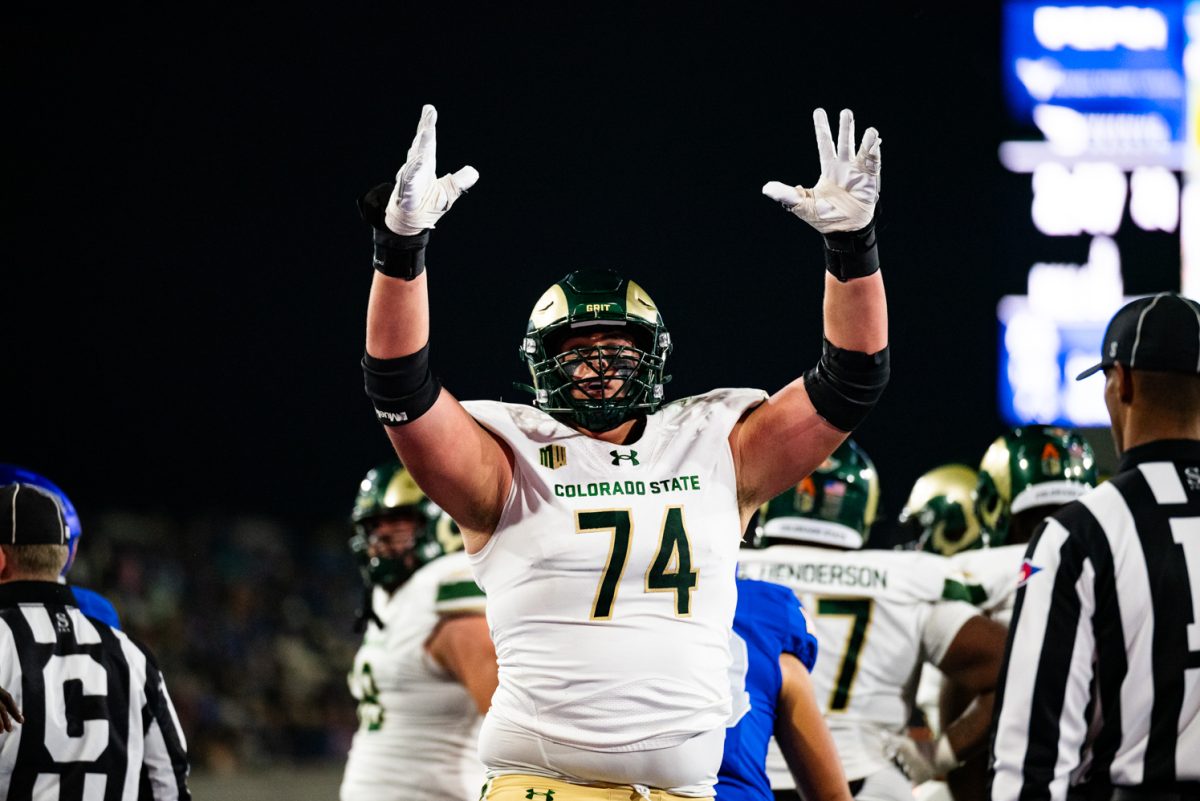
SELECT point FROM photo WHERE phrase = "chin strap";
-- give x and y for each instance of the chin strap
(365, 614)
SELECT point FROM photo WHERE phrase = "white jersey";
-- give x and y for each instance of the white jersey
(417, 724)
(877, 615)
(992, 576)
(610, 578)
(989, 579)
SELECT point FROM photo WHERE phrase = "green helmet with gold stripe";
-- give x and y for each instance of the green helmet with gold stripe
(835, 506)
(1028, 472)
(580, 303)
(940, 513)
(389, 491)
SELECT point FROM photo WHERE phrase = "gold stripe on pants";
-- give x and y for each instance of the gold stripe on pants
(526, 787)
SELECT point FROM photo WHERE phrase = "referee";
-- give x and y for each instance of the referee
(98, 722)
(1100, 692)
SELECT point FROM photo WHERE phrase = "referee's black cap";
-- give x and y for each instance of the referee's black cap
(1161, 332)
(30, 515)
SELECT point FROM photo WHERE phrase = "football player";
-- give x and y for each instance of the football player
(426, 671)
(91, 603)
(879, 615)
(603, 522)
(1026, 475)
(939, 515)
(773, 653)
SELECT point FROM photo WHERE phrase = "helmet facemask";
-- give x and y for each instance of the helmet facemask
(388, 493)
(390, 567)
(576, 383)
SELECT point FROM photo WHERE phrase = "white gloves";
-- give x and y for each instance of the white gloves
(845, 195)
(921, 761)
(420, 198)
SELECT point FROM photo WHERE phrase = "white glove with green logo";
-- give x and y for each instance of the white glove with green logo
(844, 197)
(420, 198)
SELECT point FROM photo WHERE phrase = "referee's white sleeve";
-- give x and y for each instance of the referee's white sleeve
(1046, 686)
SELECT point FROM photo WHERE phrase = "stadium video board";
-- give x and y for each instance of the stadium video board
(1103, 99)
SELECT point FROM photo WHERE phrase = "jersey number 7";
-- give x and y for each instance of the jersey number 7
(860, 610)
(673, 550)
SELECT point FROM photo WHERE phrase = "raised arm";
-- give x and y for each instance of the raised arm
(789, 435)
(458, 464)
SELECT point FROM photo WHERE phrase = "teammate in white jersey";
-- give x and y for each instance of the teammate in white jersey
(426, 670)
(939, 517)
(1026, 475)
(603, 524)
(878, 615)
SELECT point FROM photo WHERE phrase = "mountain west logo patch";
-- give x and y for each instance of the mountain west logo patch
(617, 457)
(552, 456)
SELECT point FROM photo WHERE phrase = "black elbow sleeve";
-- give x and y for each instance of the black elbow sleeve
(401, 389)
(846, 384)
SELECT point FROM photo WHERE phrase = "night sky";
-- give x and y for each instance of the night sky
(186, 276)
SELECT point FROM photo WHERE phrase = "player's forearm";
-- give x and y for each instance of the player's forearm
(804, 738)
(968, 733)
(397, 316)
(856, 313)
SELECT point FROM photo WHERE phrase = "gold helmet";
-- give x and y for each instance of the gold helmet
(940, 512)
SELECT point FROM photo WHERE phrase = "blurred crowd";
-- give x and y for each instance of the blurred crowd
(252, 622)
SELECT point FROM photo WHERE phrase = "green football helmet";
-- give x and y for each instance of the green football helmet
(835, 506)
(389, 491)
(1030, 467)
(596, 299)
(940, 512)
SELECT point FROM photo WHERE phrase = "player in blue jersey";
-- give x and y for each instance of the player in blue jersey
(773, 652)
(92, 604)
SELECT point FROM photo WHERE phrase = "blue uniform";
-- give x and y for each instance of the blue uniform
(93, 604)
(769, 623)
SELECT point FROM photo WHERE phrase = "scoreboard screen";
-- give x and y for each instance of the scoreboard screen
(1102, 102)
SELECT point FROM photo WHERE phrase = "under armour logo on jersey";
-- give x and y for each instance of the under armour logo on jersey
(618, 456)
(548, 795)
(1026, 572)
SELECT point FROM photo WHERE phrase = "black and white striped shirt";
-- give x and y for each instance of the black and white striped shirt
(99, 725)
(1101, 681)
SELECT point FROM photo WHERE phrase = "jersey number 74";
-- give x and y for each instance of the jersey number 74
(671, 570)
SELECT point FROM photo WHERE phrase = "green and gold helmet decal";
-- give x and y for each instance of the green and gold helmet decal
(940, 512)
(834, 506)
(1027, 467)
(387, 491)
(588, 300)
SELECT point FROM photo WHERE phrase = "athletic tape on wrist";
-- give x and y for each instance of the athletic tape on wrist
(401, 389)
(852, 254)
(395, 256)
(846, 384)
